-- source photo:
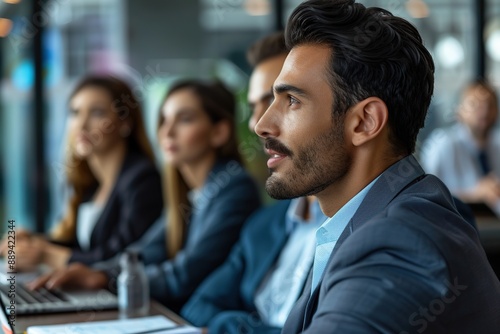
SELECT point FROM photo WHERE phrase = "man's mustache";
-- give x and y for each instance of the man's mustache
(276, 145)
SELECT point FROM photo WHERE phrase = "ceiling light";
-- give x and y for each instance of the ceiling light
(449, 51)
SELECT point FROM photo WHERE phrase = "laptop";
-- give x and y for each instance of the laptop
(49, 301)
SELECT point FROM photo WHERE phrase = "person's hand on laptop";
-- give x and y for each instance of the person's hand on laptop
(32, 250)
(76, 275)
(20, 235)
(29, 250)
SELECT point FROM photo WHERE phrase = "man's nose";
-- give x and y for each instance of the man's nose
(267, 126)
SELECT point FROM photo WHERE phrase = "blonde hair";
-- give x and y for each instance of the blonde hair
(79, 176)
(220, 105)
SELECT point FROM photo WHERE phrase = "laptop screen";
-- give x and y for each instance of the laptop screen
(4, 320)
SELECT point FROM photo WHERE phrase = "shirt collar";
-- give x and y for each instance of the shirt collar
(295, 210)
(332, 228)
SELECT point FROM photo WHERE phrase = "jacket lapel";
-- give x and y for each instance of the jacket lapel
(110, 212)
(296, 321)
(391, 182)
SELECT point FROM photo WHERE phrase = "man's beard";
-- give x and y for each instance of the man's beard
(322, 162)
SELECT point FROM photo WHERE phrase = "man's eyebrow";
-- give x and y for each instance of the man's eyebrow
(283, 88)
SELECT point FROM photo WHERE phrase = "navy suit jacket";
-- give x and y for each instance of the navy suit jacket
(225, 300)
(407, 262)
(134, 204)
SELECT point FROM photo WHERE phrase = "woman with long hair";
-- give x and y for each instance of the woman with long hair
(209, 197)
(115, 188)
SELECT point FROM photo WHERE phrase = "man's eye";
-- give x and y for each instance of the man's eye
(293, 100)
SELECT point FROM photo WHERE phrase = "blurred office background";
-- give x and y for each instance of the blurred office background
(46, 45)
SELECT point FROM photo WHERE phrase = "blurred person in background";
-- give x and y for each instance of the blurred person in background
(466, 156)
(256, 287)
(209, 196)
(114, 185)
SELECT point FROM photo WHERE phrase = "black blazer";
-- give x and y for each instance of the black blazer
(132, 207)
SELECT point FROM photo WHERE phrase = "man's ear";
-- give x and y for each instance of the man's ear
(220, 133)
(366, 120)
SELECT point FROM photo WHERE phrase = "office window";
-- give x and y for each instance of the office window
(82, 37)
(16, 126)
(79, 36)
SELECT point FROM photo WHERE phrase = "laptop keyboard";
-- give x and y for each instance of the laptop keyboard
(49, 301)
(40, 296)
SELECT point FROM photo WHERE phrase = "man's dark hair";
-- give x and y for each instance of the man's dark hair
(267, 47)
(373, 54)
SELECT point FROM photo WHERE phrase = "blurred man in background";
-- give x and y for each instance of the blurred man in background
(466, 156)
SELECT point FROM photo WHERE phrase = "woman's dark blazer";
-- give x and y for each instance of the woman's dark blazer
(132, 207)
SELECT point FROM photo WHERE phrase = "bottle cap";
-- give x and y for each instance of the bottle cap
(129, 257)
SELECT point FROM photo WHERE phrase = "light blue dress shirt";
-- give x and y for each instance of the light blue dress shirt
(329, 232)
(285, 281)
(452, 155)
